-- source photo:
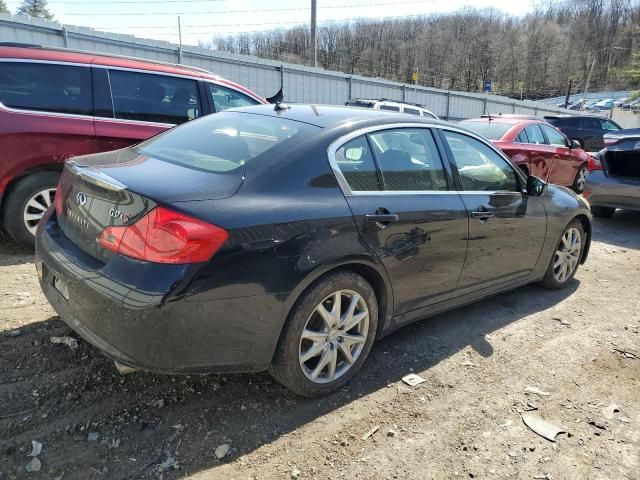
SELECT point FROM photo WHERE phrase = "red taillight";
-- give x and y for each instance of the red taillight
(165, 236)
(594, 164)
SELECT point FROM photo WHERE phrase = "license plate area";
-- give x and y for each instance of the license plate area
(61, 287)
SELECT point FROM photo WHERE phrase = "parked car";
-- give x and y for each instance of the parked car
(536, 147)
(588, 130)
(607, 104)
(614, 174)
(55, 104)
(289, 239)
(632, 105)
(392, 106)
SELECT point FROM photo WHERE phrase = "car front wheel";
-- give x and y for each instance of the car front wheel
(580, 179)
(328, 335)
(566, 257)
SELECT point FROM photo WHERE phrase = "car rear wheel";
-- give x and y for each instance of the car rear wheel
(566, 257)
(580, 179)
(602, 212)
(328, 335)
(26, 204)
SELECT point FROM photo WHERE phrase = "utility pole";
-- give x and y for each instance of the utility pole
(586, 86)
(314, 40)
(179, 41)
(566, 100)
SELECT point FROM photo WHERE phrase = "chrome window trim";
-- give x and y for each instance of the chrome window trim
(77, 116)
(346, 189)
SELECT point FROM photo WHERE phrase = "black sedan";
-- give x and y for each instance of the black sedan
(290, 238)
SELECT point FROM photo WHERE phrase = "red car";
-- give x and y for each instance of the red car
(55, 104)
(536, 147)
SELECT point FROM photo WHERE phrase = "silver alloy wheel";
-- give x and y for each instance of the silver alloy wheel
(567, 256)
(582, 178)
(36, 207)
(334, 336)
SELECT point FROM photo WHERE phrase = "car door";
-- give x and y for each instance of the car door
(139, 105)
(540, 154)
(506, 227)
(592, 134)
(406, 211)
(565, 165)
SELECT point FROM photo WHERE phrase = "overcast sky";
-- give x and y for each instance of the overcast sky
(202, 19)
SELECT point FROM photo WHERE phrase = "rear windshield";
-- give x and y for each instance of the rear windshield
(224, 141)
(491, 130)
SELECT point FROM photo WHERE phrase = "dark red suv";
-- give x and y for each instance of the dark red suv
(55, 104)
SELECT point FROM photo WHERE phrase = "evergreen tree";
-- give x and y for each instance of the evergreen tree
(35, 8)
(3, 7)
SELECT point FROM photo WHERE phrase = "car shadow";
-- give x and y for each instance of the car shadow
(143, 419)
(620, 230)
(11, 253)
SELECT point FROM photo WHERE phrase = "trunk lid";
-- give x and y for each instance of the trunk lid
(118, 188)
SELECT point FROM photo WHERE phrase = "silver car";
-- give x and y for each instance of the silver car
(614, 174)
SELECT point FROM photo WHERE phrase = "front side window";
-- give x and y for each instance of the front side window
(609, 125)
(46, 87)
(555, 137)
(408, 159)
(534, 135)
(154, 98)
(355, 161)
(480, 167)
(225, 98)
(222, 142)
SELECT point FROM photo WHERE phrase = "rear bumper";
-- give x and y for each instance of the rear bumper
(141, 315)
(604, 191)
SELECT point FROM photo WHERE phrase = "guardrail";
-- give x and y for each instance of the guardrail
(301, 84)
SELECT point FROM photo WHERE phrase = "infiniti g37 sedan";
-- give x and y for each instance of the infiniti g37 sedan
(288, 239)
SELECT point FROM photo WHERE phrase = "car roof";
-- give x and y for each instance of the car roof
(329, 115)
(506, 120)
(83, 57)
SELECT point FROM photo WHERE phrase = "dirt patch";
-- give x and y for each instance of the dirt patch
(464, 421)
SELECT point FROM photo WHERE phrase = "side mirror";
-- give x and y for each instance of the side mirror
(574, 144)
(535, 186)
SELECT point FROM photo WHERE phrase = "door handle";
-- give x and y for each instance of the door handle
(381, 218)
(482, 215)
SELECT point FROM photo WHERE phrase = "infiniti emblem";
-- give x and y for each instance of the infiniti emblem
(81, 198)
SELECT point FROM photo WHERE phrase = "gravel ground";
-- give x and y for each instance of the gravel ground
(464, 421)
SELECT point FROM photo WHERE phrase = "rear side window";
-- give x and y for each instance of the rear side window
(46, 87)
(355, 161)
(409, 160)
(223, 142)
(391, 108)
(480, 168)
(411, 111)
(522, 137)
(534, 135)
(224, 98)
(154, 98)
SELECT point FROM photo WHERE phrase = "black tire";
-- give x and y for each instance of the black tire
(286, 367)
(16, 202)
(549, 280)
(602, 212)
(578, 185)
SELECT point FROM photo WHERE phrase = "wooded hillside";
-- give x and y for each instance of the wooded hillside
(534, 56)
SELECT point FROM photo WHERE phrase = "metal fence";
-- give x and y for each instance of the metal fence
(301, 84)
